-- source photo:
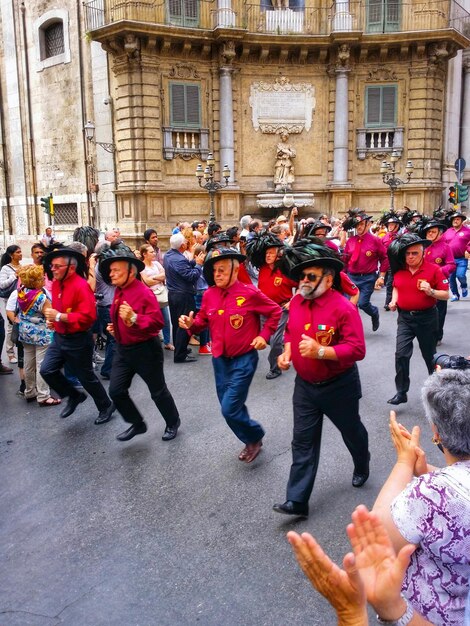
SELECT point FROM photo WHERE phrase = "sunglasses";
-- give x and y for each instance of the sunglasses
(311, 277)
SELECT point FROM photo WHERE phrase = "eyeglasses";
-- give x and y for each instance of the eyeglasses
(311, 277)
(55, 266)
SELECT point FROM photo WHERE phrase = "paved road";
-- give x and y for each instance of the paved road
(98, 532)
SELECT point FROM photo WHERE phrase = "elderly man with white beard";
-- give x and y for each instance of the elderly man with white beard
(324, 338)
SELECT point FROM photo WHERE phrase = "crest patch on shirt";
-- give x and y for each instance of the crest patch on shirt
(220, 311)
(240, 300)
(69, 310)
(278, 281)
(307, 326)
(368, 253)
(236, 321)
(323, 337)
(461, 234)
(438, 260)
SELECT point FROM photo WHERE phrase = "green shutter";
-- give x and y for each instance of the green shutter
(374, 11)
(383, 16)
(381, 106)
(183, 12)
(185, 105)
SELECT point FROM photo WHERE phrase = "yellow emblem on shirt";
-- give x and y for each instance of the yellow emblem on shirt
(240, 300)
(278, 281)
(438, 260)
(236, 321)
(220, 311)
(69, 310)
(307, 326)
(368, 253)
(324, 337)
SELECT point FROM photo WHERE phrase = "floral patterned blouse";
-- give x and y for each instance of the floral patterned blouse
(433, 512)
(32, 321)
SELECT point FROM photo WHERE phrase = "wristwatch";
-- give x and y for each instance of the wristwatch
(404, 620)
(321, 353)
(133, 318)
(57, 317)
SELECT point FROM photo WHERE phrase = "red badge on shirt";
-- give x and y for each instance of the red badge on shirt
(236, 321)
(278, 281)
(323, 337)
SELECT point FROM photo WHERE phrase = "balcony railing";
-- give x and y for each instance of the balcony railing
(341, 16)
(378, 140)
(185, 143)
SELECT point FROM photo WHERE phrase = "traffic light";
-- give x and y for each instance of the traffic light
(45, 204)
(462, 193)
(452, 195)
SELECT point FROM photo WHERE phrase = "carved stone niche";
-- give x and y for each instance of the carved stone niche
(281, 107)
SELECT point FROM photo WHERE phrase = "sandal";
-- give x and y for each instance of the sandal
(243, 454)
(169, 346)
(50, 402)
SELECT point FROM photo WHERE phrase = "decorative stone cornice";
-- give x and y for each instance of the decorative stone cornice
(184, 71)
(381, 73)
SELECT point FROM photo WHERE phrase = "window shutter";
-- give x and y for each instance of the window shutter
(375, 10)
(388, 105)
(190, 11)
(193, 117)
(178, 117)
(392, 16)
(373, 106)
(175, 9)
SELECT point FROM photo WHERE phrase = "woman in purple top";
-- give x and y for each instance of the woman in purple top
(430, 507)
(439, 253)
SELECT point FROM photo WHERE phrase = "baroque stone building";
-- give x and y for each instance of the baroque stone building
(167, 82)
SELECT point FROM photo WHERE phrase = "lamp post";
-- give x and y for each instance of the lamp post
(209, 183)
(89, 129)
(389, 177)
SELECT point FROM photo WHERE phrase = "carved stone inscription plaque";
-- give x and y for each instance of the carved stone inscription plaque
(282, 107)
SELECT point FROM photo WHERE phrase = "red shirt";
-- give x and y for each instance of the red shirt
(233, 317)
(75, 297)
(333, 321)
(410, 298)
(440, 254)
(347, 286)
(243, 275)
(372, 253)
(275, 285)
(386, 241)
(458, 240)
(149, 317)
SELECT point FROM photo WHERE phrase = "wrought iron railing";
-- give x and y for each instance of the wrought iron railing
(343, 15)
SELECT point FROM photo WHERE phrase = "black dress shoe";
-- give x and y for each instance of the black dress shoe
(72, 403)
(188, 359)
(398, 398)
(106, 414)
(171, 431)
(274, 373)
(375, 322)
(359, 479)
(130, 433)
(292, 508)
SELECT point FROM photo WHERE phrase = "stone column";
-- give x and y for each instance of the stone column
(226, 121)
(340, 162)
(465, 117)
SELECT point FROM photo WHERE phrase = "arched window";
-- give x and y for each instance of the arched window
(52, 38)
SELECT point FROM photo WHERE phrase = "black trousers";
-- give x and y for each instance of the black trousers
(180, 304)
(424, 326)
(146, 360)
(441, 313)
(339, 401)
(77, 352)
(388, 287)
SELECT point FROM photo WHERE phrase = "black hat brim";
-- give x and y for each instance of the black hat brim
(82, 269)
(105, 265)
(334, 264)
(208, 267)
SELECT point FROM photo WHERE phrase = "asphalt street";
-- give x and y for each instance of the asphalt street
(98, 532)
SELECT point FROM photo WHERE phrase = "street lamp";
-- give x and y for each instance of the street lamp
(389, 177)
(89, 129)
(209, 183)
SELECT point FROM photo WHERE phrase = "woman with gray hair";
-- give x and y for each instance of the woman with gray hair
(430, 507)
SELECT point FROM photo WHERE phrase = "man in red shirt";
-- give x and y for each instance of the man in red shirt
(458, 238)
(72, 316)
(233, 311)
(393, 224)
(263, 252)
(324, 338)
(362, 255)
(136, 320)
(417, 286)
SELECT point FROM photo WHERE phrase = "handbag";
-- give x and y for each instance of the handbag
(161, 293)
(5, 292)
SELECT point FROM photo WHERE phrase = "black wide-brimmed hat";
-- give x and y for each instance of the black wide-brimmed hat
(218, 241)
(307, 253)
(396, 250)
(390, 217)
(457, 214)
(256, 247)
(81, 270)
(218, 255)
(311, 229)
(355, 217)
(432, 223)
(119, 254)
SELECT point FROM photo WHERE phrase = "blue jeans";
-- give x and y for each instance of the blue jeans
(232, 380)
(204, 336)
(460, 274)
(166, 330)
(104, 317)
(365, 283)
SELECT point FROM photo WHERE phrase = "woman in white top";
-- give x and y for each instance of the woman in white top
(154, 277)
(10, 263)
